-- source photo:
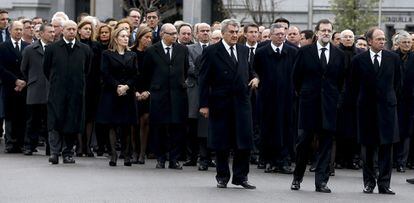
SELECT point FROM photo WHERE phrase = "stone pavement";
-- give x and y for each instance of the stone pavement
(32, 179)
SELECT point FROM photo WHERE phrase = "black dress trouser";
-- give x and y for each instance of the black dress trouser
(384, 164)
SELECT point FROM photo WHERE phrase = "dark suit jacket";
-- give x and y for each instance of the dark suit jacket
(224, 90)
(165, 80)
(10, 59)
(318, 89)
(375, 95)
(275, 93)
(32, 69)
(66, 71)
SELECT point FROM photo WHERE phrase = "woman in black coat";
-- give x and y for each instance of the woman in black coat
(116, 108)
(143, 41)
(92, 88)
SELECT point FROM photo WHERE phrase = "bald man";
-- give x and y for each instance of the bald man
(66, 63)
(14, 97)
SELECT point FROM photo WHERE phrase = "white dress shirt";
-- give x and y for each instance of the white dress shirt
(328, 47)
(227, 47)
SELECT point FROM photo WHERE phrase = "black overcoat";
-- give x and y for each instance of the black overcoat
(375, 95)
(165, 80)
(275, 93)
(224, 90)
(318, 89)
(66, 70)
(406, 98)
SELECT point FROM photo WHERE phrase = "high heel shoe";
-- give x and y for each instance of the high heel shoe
(113, 160)
(127, 161)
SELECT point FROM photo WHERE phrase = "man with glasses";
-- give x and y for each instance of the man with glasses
(153, 19)
(376, 80)
(224, 80)
(318, 77)
(165, 70)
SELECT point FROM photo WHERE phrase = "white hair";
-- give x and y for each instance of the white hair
(60, 14)
(347, 31)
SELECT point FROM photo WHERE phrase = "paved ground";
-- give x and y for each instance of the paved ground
(32, 179)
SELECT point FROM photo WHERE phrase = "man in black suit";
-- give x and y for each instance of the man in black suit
(153, 18)
(14, 101)
(32, 69)
(66, 63)
(225, 101)
(317, 78)
(376, 80)
(273, 64)
(165, 69)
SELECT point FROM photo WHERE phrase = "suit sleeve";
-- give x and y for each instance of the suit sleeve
(191, 66)
(204, 78)
(398, 81)
(298, 72)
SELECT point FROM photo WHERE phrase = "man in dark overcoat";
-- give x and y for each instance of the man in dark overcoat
(165, 70)
(318, 79)
(376, 81)
(225, 100)
(273, 63)
(36, 100)
(66, 63)
(14, 101)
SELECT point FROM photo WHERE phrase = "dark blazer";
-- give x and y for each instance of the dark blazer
(318, 89)
(195, 51)
(156, 35)
(32, 69)
(165, 80)
(10, 59)
(66, 71)
(224, 90)
(275, 93)
(118, 70)
(406, 98)
(375, 95)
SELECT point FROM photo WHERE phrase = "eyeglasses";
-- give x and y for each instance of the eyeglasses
(232, 32)
(171, 33)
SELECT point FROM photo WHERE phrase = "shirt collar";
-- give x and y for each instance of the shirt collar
(274, 47)
(254, 46)
(14, 41)
(227, 46)
(164, 45)
(328, 46)
(201, 44)
(42, 43)
(372, 53)
(73, 41)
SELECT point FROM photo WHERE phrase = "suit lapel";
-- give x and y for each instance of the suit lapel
(384, 63)
(174, 51)
(367, 59)
(11, 48)
(224, 55)
(160, 50)
(38, 47)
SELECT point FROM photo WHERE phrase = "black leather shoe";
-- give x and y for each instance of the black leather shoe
(411, 180)
(175, 165)
(203, 167)
(269, 168)
(245, 185)
(261, 165)
(332, 171)
(323, 188)
(160, 164)
(295, 185)
(312, 169)
(68, 160)
(127, 161)
(355, 166)
(285, 170)
(400, 169)
(368, 189)
(28, 152)
(221, 184)
(54, 159)
(190, 163)
(385, 190)
(212, 164)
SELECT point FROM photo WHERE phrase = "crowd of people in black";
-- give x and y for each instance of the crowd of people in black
(275, 97)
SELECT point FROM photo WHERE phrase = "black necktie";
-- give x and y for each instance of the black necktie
(17, 46)
(233, 57)
(376, 63)
(168, 53)
(277, 51)
(323, 58)
(204, 46)
(251, 54)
